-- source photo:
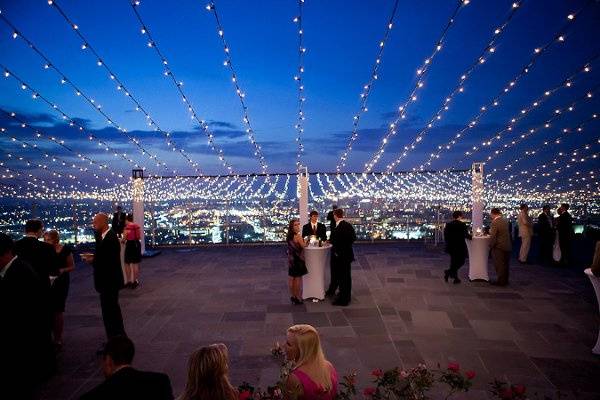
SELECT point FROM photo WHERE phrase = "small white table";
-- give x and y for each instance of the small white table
(478, 258)
(317, 260)
(596, 283)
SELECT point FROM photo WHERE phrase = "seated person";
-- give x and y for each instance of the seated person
(125, 382)
(314, 227)
(312, 376)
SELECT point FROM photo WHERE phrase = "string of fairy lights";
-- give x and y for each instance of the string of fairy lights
(418, 186)
(488, 51)
(367, 88)
(122, 88)
(168, 72)
(299, 78)
(241, 94)
(49, 65)
(495, 103)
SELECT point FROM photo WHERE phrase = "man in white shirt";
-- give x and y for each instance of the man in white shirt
(314, 227)
(525, 232)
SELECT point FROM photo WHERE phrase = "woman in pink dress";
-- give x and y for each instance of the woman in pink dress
(313, 377)
(133, 252)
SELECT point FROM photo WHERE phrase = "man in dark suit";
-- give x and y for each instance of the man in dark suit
(564, 228)
(118, 221)
(41, 256)
(26, 352)
(108, 275)
(330, 217)
(500, 246)
(314, 227)
(125, 382)
(342, 255)
(545, 235)
(455, 233)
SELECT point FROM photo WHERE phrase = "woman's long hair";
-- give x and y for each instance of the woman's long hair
(208, 377)
(310, 351)
(290, 232)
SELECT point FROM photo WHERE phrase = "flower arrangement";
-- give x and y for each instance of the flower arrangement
(393, 384)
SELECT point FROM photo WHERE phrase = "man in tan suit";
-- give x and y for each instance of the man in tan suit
(500, 246)
(525, 232)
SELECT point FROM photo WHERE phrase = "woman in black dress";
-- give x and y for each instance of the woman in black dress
(296, 265)
(60, 285)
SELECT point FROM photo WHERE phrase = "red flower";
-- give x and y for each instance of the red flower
(377, 372)
(454, 367)
(506, 394)
(245, 395)
(470, 374)
(519, 389)
(370, 391)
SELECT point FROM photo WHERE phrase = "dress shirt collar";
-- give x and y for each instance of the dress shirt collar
(338, 222)
(3, 271)
(104, 233)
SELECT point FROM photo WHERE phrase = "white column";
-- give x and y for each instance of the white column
(303, 196)
(138, 205)
(477, 196)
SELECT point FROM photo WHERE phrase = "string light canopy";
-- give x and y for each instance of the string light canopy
(299, 78)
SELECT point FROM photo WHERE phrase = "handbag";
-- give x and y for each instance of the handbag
(556, 250)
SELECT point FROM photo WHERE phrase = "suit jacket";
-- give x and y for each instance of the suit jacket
(545, 228)
(26, 347)
(500, 235)
(564, 226)
(118, 222)
(108, 274)
(40, 256)
(129, 383)
(455, 233)
(331, 220)
(321, 232)
(341, 240)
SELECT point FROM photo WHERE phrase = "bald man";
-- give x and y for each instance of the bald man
(108, 276)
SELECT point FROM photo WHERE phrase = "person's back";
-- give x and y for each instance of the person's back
(129, 383)
(500, 235)
(125, 382)
(39, 255)
(455, 233)
(312, 390)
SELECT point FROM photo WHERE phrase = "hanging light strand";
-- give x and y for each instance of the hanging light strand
(299, 78)
(238, 90)
(485, 54)
(123, 89)
(48, 64)
(168, 72)
(364, 95)
(421, 74)
(40, 134)
(495, 102)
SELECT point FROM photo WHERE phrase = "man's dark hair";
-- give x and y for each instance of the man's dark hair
(120, 348)
(565, 206)
(129, 217)
(457, 214)
(119, 208)
(546, 207)
(523, 206)
(33, 226)
(6, 243)
(334, 207)
(338, 212)
(495, 211)
(313, 212)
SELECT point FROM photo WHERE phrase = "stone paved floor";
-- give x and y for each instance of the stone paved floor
(538, 332)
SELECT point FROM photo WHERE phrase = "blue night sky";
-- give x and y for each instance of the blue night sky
(341, 37)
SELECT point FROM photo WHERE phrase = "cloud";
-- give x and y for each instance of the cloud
(222, 124)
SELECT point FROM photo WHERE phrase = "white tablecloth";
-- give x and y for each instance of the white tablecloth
(478, 257)
(317, 261)
(596, 283)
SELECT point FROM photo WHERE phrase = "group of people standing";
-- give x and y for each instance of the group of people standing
(341, 239)
(34, 283)
(555, 237)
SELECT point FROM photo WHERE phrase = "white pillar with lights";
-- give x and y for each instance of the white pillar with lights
(138, 203)
(477, 197)
(303, 195)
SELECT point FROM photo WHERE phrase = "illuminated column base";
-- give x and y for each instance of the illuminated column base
(303, 196)
(477, 197)
(138, 203)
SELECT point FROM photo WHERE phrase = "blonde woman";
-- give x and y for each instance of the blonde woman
(313, 377)
(208, 375)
